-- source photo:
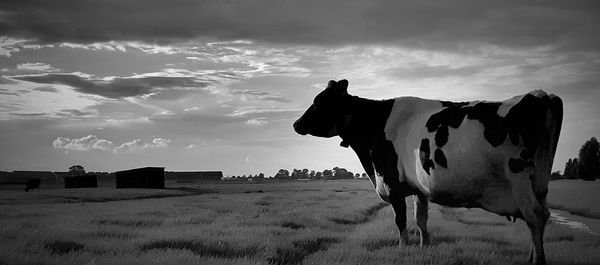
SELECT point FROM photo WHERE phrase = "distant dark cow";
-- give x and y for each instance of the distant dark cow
(492, 155)
(33, 184)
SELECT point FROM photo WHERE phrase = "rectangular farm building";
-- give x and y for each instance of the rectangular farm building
(145, 177)
(83, 181)
(194, 175)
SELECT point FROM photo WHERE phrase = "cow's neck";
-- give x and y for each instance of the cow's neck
(362, 128)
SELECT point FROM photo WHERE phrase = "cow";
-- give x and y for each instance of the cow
(486, 154)
(33, 183)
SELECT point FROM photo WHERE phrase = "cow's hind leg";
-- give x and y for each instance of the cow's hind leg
(399, 206)
(421, 215)
(534, 213)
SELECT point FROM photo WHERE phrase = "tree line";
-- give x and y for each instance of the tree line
(334, 173)
(585, 166)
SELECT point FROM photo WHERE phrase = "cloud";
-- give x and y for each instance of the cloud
(92, 142)
(36, 67)
(139, 145)
(245, 112)
(257, 122)
(115, 88)
(86, 143)
(566, 24)
(260, 95)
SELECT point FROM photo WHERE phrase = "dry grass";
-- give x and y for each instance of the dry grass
(334, 222)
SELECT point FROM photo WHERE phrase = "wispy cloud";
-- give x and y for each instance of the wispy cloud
(113, 87)
(261, 95)
(139, 145)
(36, 67)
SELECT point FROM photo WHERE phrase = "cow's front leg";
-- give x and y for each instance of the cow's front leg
(421, 214)
(399, 206)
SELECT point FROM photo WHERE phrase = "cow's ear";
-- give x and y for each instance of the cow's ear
(342, 87)
(331, 85)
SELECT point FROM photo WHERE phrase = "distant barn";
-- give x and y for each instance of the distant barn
(83, 181)
(192, 176)
(146, 177)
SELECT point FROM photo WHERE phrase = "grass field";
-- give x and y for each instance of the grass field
(334, 222)
(576, 196)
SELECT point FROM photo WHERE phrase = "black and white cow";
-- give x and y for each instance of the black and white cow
(492, 155)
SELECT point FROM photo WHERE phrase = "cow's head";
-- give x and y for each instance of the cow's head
(327, 111)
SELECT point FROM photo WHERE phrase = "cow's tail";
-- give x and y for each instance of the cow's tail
(544, 156)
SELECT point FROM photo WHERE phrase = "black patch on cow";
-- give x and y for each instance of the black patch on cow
(450, 104)
(526, 120)
(424, 155)
(516, 165)
(524, 125)
(494, 126)
(451, 116)
(440, 158)
(362, 128)
(385, 160)
(441, 136)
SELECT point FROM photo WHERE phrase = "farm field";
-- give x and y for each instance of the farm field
(315, 222)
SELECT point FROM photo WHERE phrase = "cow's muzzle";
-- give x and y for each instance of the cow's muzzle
(298, 128)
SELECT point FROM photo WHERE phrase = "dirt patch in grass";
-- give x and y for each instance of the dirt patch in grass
(127, 223)
(363, 218)
(213, 249)
(292, 225)
(254, 191)
(302, 248)
(62, 247)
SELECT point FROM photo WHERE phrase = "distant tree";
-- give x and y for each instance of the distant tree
(364, 175)
(567, 171)
(260, 176)
(296, 173)
(318, 175)
(334, 172)
(304, 173)
(312, 174)
(282, 174)
(76, 170)
(356, 176)
(570, 171)
(574, 170)
(589, 160)
(327, 174)
(556, 175)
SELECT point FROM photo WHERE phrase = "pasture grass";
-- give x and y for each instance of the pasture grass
(333, 222)
(575, 196)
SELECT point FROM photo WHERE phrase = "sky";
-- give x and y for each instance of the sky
(216, 85)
